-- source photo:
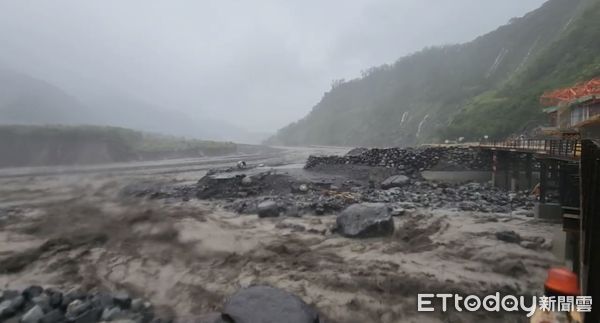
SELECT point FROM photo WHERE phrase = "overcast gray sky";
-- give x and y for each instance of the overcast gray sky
(259, 64)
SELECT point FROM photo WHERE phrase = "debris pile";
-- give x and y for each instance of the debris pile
(35, 304)
(408, 160)
(468, 197)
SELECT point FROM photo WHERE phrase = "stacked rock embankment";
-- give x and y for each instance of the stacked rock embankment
(35, 304)
(409, 160)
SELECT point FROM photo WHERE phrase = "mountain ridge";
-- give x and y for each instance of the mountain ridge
(28, 100)
(418, 98)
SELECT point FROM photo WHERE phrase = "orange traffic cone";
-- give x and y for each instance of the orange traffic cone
(562, 281)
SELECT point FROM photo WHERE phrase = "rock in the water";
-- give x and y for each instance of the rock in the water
(137, 304)
(395, 181)
(32, 291)
(109, 314)
(33, 315)
(8, 294)
(42, 301)
(54, 316)
(398, 212)
(530, 245)
(508, 236)
(266, 304)
(122, 299)
(268, 209)
(6, 309)
(76, 308)
(365, 220)
(10, 307)
(246, 181)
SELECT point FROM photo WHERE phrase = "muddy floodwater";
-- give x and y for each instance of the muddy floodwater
(72, 227)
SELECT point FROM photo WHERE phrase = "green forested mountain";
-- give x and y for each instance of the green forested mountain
(488, 86)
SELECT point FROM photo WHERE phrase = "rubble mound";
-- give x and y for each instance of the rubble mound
(231, 185)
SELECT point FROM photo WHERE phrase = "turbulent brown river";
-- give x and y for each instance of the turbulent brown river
(70, 227)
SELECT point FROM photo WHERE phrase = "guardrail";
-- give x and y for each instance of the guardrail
(565, 148)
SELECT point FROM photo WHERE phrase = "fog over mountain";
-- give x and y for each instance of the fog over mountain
(240, 67)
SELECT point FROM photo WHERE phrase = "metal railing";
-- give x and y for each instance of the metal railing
(565, 148)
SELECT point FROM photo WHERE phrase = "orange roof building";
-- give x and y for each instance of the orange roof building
(575, 108)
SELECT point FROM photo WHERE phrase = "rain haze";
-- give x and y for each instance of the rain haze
(252, 65)
(269, 161)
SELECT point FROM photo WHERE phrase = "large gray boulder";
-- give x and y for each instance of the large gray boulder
(395, 181)
(265, 304)
(268, 209)
(365, 220)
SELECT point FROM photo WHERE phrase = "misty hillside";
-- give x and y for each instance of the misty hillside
(488, 86)
(27, 100)
(28, 145)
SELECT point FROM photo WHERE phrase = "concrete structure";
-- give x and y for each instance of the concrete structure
(569, 191)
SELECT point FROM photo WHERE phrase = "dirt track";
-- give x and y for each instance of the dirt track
(77, 230)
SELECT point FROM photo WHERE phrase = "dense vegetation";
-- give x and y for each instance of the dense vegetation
(574, 57)
(64, 145)
(489, 86)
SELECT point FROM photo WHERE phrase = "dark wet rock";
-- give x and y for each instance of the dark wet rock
(246, 181)
(54, 297)
(398, 212)
(268, 209)
(103, 300)
(76, 308)
(32, 291)
(508, 236)
(137, 304)
(43, 301)
(109, 314)
(122, 299)
(72, 295)
(8, 294)
(395, 181)
(510, 267)
(291, 226)
(54, 316)
(33, 315)
(6, 309)
(91, 315)
(266, 304)
(10, 307)
(214, 317)
(530, 245)
(365, 220)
